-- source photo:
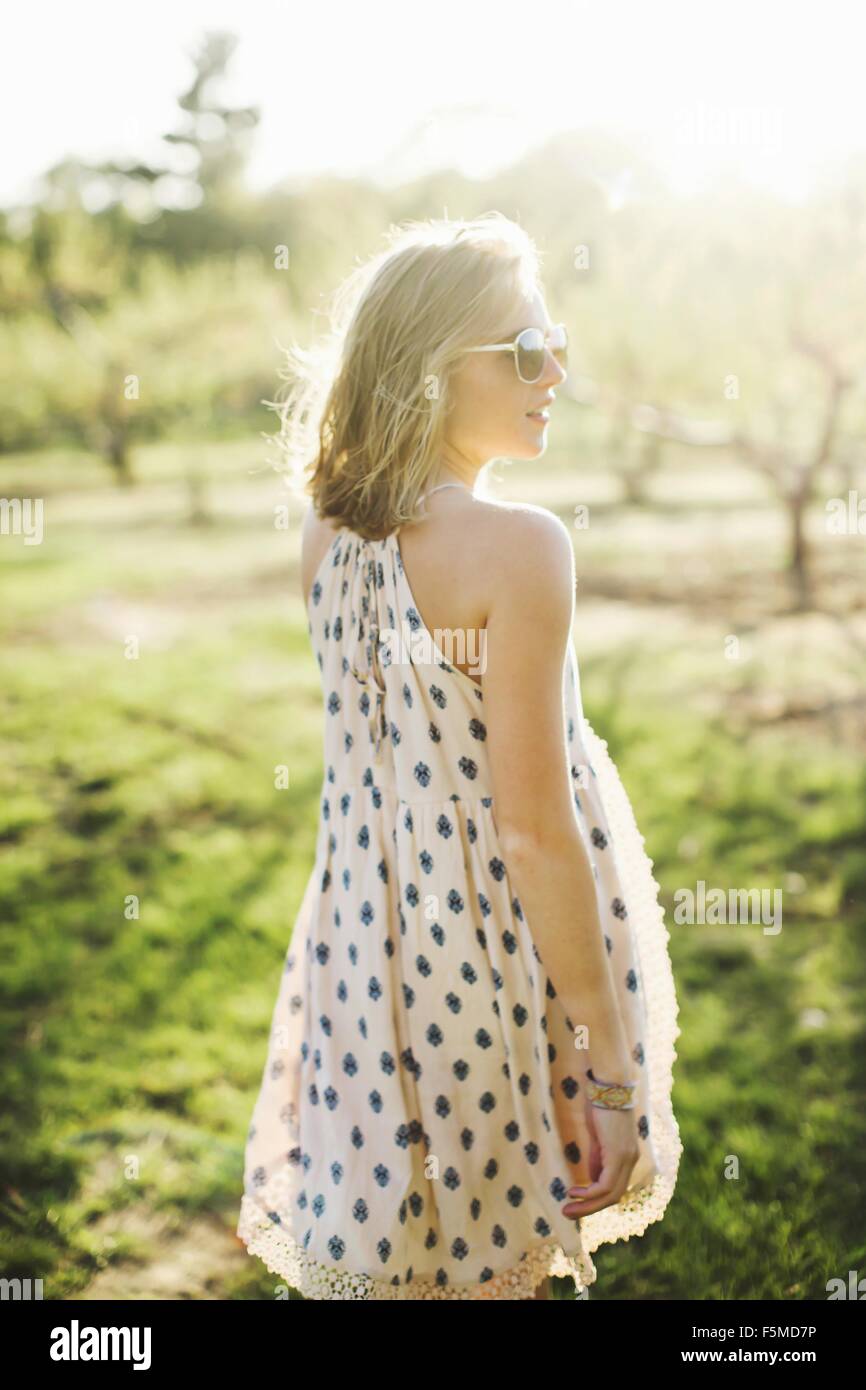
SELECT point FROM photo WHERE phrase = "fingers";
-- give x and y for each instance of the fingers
(593, 1199)
(574, 1210)
(609, 1187)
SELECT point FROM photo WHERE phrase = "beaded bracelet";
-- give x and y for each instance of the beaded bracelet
(610, 1095)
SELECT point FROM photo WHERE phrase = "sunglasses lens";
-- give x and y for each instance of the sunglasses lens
(530, 354)
(530, 351)
(559, 345)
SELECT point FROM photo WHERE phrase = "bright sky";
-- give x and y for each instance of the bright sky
(772, 91)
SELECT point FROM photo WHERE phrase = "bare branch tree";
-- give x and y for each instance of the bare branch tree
(792, 479)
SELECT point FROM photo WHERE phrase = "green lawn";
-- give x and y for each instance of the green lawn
(135, 1037)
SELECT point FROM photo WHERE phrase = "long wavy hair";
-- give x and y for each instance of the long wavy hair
(363, 419)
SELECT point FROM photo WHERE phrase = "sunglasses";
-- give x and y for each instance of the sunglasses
(529, 350)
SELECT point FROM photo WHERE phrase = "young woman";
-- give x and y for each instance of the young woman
(468, 1085)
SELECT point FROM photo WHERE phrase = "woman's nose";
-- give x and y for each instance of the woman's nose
(555, 373)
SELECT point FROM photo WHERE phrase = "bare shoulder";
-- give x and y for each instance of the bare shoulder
(524, 550)
(317, 535)
(316, 529)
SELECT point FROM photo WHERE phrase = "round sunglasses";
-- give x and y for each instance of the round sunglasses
(529, 350)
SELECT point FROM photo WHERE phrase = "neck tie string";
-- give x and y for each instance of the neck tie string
(368, 672)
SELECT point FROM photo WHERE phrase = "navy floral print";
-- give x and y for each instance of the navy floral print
(421, 1111)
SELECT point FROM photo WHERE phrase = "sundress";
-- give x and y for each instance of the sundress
(420, 1115)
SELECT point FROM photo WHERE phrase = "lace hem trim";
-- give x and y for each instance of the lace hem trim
(282, 1255)
(651, 936)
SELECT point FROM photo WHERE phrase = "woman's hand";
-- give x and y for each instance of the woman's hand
(613, 1153)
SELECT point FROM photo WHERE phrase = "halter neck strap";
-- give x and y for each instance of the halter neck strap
(441, 485)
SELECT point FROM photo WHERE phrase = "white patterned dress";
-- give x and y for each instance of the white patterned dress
(420, 1115)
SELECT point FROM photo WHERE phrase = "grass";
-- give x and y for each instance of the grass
(150, 871)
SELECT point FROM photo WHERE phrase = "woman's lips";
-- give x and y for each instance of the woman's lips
(541, 415)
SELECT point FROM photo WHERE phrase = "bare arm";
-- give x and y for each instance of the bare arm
(530, 614)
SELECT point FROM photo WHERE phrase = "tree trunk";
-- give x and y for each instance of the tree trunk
(798, 560)
(117, 450)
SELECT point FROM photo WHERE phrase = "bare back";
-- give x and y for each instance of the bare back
(448, 559)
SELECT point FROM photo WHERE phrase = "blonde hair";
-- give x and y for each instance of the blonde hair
(365, 412)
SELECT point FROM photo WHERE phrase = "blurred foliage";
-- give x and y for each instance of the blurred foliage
(174, 355)
(689, 306)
